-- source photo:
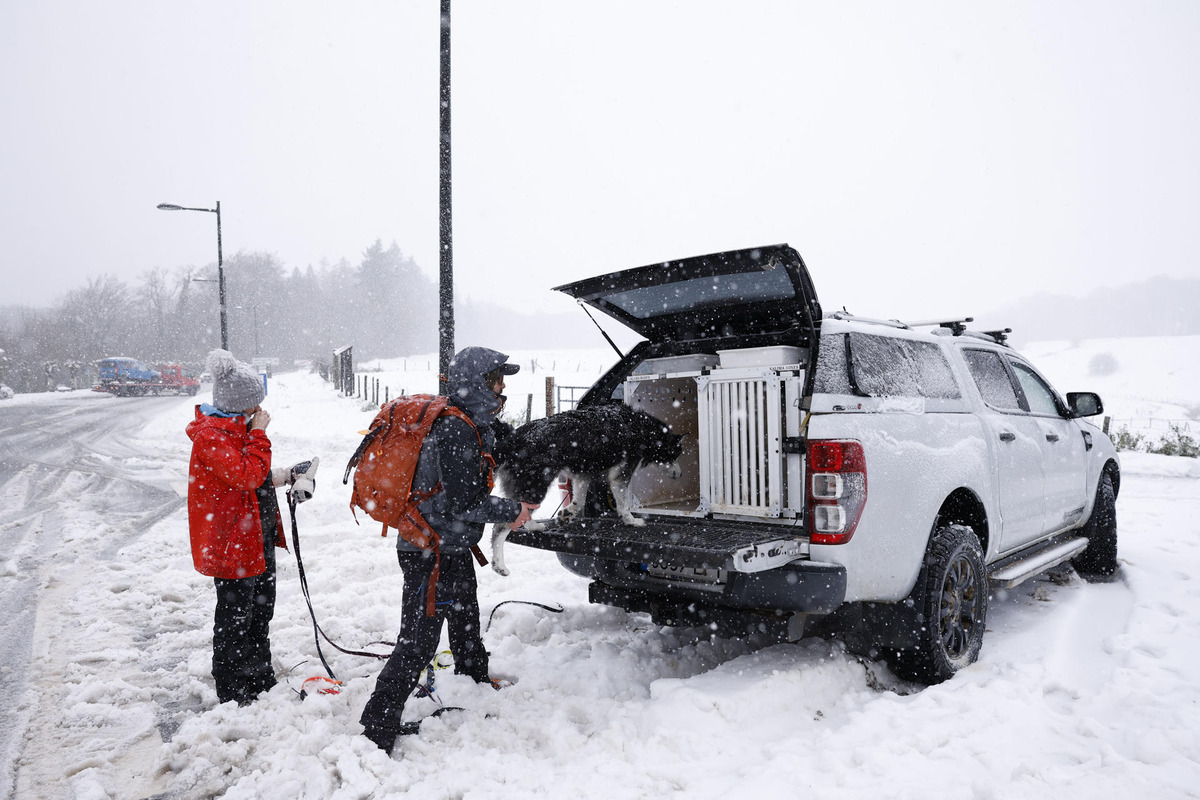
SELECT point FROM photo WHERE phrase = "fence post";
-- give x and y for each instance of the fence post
(550, 396)
(529, 407)
(1107, 422)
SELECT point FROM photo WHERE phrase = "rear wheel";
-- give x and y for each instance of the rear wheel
(951, 599)
(1099, 560)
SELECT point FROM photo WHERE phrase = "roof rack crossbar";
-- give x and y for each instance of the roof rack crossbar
(846, 315)
(955, 326)
(1000, 336)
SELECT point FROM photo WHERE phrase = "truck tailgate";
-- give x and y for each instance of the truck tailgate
(683, 543)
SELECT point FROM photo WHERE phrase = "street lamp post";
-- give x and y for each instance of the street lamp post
(220, 262)
(445, 238)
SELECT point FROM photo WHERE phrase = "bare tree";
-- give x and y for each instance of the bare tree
(154, 298)
(94, 319)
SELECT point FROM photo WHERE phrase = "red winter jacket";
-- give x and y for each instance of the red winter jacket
(228, 464)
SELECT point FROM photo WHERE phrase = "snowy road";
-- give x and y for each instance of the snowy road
(69, 469)
(1082, 690)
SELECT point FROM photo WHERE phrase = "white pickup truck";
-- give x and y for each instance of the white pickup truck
(868, 477)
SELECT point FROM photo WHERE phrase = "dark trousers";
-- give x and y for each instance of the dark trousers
(457, 605)
(241, 664)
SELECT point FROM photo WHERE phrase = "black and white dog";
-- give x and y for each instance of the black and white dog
(601, 442)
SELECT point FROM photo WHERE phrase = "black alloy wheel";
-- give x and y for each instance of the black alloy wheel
(961, 607)
(1099, 560)
(950, 600)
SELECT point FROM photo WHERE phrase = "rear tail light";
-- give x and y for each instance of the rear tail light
(837, 490)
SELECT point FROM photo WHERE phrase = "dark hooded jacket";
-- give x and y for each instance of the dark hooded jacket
(457, 456)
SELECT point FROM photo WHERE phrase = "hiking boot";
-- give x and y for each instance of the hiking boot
(258, 684)
(384, 738)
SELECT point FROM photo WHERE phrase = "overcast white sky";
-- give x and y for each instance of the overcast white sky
(925, 158)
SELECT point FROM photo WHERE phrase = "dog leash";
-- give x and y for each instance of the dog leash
(318, 633)
(496, 607)
(331, 684)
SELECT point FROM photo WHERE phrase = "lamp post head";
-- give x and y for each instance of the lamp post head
(170, 207)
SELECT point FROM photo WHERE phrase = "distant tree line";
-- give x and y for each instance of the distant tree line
(384, 306)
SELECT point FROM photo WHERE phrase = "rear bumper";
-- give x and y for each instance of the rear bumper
(805, 587)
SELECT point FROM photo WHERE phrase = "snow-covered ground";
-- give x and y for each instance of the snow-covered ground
(1082, 690)
(1147, 383)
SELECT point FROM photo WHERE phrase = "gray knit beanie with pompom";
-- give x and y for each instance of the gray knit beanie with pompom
(236, 387)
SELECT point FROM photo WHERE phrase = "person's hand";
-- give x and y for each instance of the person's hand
(260, 420)
(525, 515)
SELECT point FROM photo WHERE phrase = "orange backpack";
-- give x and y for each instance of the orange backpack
(384, 465)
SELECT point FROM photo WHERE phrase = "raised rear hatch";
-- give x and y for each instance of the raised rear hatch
(758, 290)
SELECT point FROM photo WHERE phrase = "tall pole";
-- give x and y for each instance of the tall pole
(220, 262)
(446, 261)
(221, 283)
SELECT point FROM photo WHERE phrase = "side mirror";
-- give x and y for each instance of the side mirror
(1084, 404)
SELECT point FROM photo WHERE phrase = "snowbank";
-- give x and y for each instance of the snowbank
(1082, 690)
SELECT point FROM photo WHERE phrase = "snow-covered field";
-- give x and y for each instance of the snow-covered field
(1082, 690)
(1147, 383)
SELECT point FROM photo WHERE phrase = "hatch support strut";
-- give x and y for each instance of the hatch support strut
(607, 338)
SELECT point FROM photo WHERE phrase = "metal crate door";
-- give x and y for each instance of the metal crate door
(740, 452)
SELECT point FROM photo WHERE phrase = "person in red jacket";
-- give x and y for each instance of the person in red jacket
(234, 523)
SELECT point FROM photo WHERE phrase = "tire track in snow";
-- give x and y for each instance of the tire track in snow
(58, 541)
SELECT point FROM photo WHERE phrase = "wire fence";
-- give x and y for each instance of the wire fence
(1152, 424)
(567, 397)
(534, 366)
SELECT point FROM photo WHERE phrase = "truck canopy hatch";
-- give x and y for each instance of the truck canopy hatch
(753, 291)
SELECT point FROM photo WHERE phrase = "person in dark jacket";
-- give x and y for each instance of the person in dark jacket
(457, 455)
(234, 523)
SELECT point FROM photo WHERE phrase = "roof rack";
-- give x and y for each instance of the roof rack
(846, 315)
(948, 327)
(1000, 336)
(955, 326)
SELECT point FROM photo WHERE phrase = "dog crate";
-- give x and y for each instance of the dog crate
(734, 420)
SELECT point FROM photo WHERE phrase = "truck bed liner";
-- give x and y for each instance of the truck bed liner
(702, 544)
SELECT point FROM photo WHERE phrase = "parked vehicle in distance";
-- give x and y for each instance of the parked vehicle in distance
(128, 377)
(866, 477)
(122, 368)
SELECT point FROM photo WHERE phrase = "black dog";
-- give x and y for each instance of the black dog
(607, 441)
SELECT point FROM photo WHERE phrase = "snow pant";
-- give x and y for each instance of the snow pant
(457, 605)
(241, 664)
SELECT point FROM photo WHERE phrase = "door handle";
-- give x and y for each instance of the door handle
(1051, 437)
(1008, 436)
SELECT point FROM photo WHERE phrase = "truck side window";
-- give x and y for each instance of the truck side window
(1037, 393)
(831, 375)
(884, 366)
(992, 380)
